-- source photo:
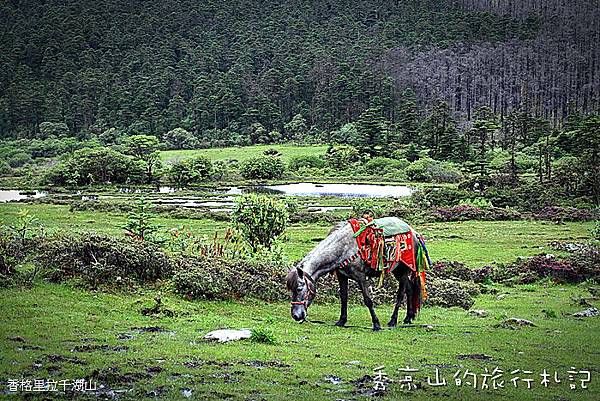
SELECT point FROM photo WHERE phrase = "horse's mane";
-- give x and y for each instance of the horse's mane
(336, 227)
(292, 279)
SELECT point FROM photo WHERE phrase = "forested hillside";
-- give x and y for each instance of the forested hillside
(241, 71)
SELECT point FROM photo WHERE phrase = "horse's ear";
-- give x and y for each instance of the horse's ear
(300, 272)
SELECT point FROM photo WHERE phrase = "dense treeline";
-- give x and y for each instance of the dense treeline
(238, 72)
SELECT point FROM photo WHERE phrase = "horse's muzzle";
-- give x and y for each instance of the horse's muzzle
(299, 314)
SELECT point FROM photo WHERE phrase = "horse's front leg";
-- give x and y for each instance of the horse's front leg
(362, 282)
(402, 283)
(343, 281)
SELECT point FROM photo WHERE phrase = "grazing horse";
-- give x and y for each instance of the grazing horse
(337, 253)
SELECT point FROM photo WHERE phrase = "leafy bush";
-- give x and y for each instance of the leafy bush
(468, 212)
(260, 219)
(263, 336)
(429, 170)
(341, 156)
(179, 138)
(19, 159)
(448, 293)
(99, 260)
(210, 278)
(427, 197)
(309, 161)
(262, 167)
(190, 171)
(556, 213)
(96, 166)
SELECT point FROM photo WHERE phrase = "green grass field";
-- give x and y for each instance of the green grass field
(53, 331)
(63, 333)
(243, 153)
(475, 243)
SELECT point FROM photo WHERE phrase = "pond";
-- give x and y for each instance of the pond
(296, 189)
(9, 195)
(339, 190)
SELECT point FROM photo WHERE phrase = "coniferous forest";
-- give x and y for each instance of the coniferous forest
(221, 69)
(512, 86)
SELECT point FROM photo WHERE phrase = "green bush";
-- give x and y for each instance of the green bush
(210, 278)
(429, 170)
(96, 166)
(309, 161)
(260, 219)
(190, 171)
(262, 167)
(98, 260)
(341, 156)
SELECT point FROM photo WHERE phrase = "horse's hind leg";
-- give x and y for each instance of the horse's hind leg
(343, 281)
(402, 283)
(410, 312)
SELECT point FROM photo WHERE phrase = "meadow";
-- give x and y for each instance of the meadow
(62, 332)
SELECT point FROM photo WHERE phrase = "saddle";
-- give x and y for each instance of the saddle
(384, 243)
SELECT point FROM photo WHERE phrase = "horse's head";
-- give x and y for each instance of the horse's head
(303, 289)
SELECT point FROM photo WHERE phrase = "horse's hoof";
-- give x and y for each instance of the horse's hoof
(391, 324)
(340, 323)
(407, 321)
(376, 328)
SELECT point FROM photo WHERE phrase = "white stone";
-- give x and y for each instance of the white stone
(226, 335)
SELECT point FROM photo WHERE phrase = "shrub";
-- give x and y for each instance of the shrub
(260, 219)
(264, 336)
(98, 260)
(219, 279)
(341, 156)
(19, 159)
(447, 293)
(179, 138)
(556, 213)
(427, 197)
(298, 162)
(190, 171)
(429, 170)
(262, 167)
(96, 166)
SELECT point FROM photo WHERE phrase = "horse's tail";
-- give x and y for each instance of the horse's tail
(423, 262)
(417, 294)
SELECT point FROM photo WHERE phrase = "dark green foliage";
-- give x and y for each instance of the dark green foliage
(262, 167)
(260, 219)
(263, 336)
(96, 166)
(98, 260)
(214, 69)
(341, 157)
(219, 278)
(429, 170)
(298, 162)
(179, 138)
(139, 225)
(190, 171)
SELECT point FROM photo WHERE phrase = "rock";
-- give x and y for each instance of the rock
(587, 313)
(478, 313)
(515, 323)
(226, 335)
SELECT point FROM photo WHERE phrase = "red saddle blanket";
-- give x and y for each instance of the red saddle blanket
(383, 253)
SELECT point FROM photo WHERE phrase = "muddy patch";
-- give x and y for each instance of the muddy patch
(113, 376)
(477, 357)
(100, 347)
(267, 364)
(152, 329)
